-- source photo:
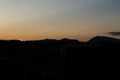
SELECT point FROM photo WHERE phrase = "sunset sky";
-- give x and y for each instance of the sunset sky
(75, 19)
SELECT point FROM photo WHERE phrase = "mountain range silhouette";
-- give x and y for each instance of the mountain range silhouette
(52, 59)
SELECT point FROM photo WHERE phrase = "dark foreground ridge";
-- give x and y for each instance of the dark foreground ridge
(97, 59)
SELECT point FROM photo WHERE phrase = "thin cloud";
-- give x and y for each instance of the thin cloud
(114, 33)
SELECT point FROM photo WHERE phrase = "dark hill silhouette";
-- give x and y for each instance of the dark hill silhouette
(102, 41)
(52, 59)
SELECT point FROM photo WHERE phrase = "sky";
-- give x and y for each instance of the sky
(56, 19)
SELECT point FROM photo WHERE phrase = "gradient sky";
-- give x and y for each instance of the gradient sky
(40, 19)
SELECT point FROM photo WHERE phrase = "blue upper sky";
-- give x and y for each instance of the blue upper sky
(39, 19)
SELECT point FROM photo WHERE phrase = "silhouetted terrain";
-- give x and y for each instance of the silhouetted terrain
(64, 59)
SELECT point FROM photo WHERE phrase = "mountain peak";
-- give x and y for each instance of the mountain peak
(102, 40)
